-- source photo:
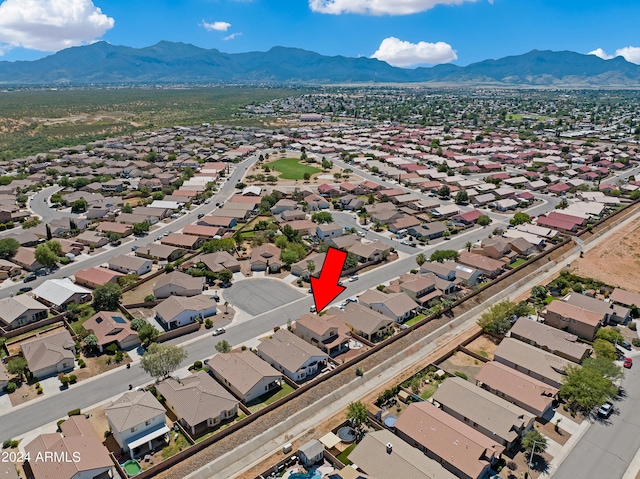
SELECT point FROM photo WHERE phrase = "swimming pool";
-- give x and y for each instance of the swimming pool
(315, 474)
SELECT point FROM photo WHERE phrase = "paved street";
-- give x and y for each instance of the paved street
(607, 448)
(259, 295)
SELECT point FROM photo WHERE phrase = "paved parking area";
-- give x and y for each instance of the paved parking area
(259, 295)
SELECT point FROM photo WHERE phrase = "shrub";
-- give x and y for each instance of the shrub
(11, 387)
(208, 324)
(148, 298)
(38, 391)
(64, 380)
(6, 444)
(197, 365)
(460, 374)
(82, 364)
(243, 348)
(119, 356)
(111, 349)
(74, 412)
(636, 342)
(73, 379)
(60, 422)
(632, 326)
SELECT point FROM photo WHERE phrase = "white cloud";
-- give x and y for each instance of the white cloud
(232, 36)
(218, 26)
(51, 25)
(379, 7)
(631, 54)
(399, 53)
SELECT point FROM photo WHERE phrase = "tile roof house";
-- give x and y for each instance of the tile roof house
(573, 319)
(58, 293)
(207, 232)
(365, 322)
(49, 355)
(532, 361)
(245, 374)
(518, 388)
(611, 312)
(176, 311)
(328, 333)
(21, 310)
(112, 328)
(160, 252)
(220, 260)
(292, 355)
(26, 259)
(489, 266)
(460, 449)
(130, 264)
(383, 455)
(94, 277)
(136, 419)
(198, 401)
(491, 415)
(421, 289)
(182, 241)
(551, 339)
(266, 256)
(397, 306)
(82, 453)
(177, 283)
(624, 298)
(329, 231)
(369, 252)
(301, 268)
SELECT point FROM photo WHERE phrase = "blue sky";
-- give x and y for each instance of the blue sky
(402, 32)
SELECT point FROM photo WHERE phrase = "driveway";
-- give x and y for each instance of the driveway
(257, 296)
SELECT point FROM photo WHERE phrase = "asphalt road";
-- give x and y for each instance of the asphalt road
(40, 206)
(608, 447)
(259, 295)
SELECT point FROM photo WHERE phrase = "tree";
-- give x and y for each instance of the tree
(292, 235)
(32, 223)
(289, 257)
(484, 220)
(79, 206)
(306, 176)
(91, 340)
(357, 413)
(8, 247)
(141, 228)
(610, 335)
(223, 346)
(55, 246)
(586, 387)
(225, 276)
(128, 280)
(441, 255)
(351, 261)
(564, 204)
(127, 208)
(148, 334)
(444, 192)
(539, 292)
(322, 217)
(497, 319)
(17, 366)
(224, 244)
(468, 245)
(106, 297)
(421, 259)
(56, 199)
(520, 218)
(159, 361)
(137, 323)
(534, 437)
(604, 349)
(311, 267)
(462, 197)
(45, 256)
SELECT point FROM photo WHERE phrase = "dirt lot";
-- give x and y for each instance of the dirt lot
(485, 346)
(97, 364)
(25, 392)
(463, 363)
(616, 261)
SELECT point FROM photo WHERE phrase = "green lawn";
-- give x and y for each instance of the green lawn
(514, 116)
(85, 311)
(428, 391)
(418, 318)
(518, 262)
(269, 398)
(343, 456)
(550, 298)
(292, 169)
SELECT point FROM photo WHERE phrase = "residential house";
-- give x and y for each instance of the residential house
(220, 260)
(18, 311)
(526, 392)
(328, 333)
(49, 355)
(365, 322)
(397, 306)
(404, 222)
(328, 190)
(79, 451)
(352, 188)
(291, 215)
(177, 283)
(206, 232)
(176, 311)
(283, 204)
(121, 229)
(92, 239)
(460, 449)
(58, 293)
(218, 222)
(26, 259)
(160, 252)
(292, 355)
(305, 227)
(491, 415)
(130, 264)
(533, 362)
(428, 231)
(136, 420)
(198, 401)
(94, 277)
(370, 252)
(245, 374)
(383, 455)
(468, 217)
(301, 268)
(421, 289)
(488, 266)
(551, 339)
(266, 257)
(182, 241)
(332, 230)
(624, 298)
(316, 202)
(112, 328)
(612, 312)
(8, 269)
(573, 319)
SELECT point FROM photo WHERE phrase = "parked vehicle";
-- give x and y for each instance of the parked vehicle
(134, 247)
(628, 362)
(158, 238)
(218, 331)
(200, 215)
(605, 410)
(353, 278)
(26, 289)
(28, 279)
(312, 309)
(216, 298)
(625, 344)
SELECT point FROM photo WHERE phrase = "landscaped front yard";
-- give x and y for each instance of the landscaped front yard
(292, 169)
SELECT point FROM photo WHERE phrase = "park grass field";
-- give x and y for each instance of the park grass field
(292, 169)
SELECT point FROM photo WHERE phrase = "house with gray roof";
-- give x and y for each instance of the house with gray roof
(553, 340)
(136, 420)
(21, 310)
(198, 401)
(178, 283)
(130, 264)
(397, 306)
(245, 374)
(176, 311)
(363, 321)
(50, 354)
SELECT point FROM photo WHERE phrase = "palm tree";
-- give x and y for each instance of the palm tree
(311, 267)
(468, 245)
(421, 259)
(226, 307)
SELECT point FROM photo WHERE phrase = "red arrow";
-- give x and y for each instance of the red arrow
(326, 288)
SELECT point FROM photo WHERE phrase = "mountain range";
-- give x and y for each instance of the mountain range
(167, 62)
